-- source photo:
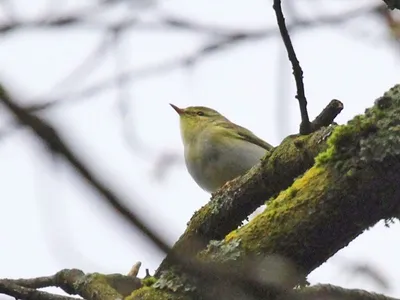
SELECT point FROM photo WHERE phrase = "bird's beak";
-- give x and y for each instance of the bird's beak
(177, 109)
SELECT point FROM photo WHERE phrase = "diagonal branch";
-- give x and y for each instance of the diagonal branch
(305, 126)
(49, 136)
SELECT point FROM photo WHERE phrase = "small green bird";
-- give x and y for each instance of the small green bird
(217, 150)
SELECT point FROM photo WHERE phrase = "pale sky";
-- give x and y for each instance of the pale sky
(49, 220)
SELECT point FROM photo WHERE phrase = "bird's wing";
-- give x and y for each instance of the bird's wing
(247, 135)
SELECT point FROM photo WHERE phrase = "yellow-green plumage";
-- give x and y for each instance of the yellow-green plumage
(217, 150)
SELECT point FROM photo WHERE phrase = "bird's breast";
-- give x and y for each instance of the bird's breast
(212, 164)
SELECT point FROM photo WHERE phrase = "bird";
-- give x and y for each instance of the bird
(217, 150)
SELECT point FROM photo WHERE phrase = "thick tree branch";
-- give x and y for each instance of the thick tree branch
(305, 126)
(353, 185)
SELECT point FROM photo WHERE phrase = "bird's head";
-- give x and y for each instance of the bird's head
(194, 119)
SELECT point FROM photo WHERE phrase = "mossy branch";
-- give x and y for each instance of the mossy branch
(93, 286)
(315, 292)
(353, 185)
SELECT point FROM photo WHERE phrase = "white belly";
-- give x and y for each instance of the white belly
(220, 164)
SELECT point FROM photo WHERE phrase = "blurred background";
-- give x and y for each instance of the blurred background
(103, 73)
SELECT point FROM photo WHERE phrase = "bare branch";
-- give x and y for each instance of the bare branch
(7, 287)
(305, 126)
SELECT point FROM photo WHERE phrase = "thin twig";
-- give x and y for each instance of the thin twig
(305, 126)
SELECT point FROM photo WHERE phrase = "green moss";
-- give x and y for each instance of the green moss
(148, 293)
(198, 217)
(351, 172)
(249, 237)
(361, 135)
(291, 192)
(343, 136)
(230, 236)
(97, 284)
(278, 210)
(365, 139)
(291, 146)
(149, 281)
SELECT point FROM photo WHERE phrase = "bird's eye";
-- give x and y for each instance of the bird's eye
(200, 113)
